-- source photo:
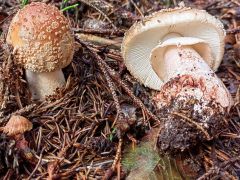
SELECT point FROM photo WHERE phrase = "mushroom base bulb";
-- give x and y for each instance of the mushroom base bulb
(195, 100)
(187, 122)
(45, 83)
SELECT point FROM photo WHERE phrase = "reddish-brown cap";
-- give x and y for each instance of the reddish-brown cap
(17, 125)
(41, 37)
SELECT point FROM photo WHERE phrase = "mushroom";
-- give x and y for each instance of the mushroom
(17, 125)
(15, 129)
(176, 52)
(43, 45)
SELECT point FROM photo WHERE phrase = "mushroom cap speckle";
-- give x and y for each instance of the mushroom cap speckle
(41, 37)
(148, 33)
(17, 125)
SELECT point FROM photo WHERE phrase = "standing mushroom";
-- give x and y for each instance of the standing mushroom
(176, 51)
(15, 129)
(17, 125)
(43, 45)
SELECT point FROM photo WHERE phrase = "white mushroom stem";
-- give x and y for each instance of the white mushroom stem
(44, 83)
(183, 60)
(195, 77)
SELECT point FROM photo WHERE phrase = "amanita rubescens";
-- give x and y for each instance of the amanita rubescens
(176, 51)
(43, 45)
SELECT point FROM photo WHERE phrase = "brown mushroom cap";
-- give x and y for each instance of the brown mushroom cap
(17, 125)
(41, 37)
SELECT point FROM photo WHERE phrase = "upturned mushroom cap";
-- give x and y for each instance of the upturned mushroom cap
(17, 125)
(149, 33)
(41, 37)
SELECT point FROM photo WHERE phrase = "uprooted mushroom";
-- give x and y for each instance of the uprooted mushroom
(176, 51)
(43, 45)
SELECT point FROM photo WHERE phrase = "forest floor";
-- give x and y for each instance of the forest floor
(85, 128)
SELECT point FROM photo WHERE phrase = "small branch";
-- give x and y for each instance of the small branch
(211, 171)
(234, 31)
(7, 18)
(98, 40)
(101, 12)
(136, 100)
(114, 75)
(136, 7)
(52, 167)
(118, 154)
(112, 89)
(25, 109)
(102, 31)
(194, 123)
(110, 171)
(216, 169)
(38, 164)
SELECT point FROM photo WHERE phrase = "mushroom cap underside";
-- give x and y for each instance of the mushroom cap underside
(41, 37)
(148, 33)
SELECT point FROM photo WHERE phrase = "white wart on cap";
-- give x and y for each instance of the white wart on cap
(143, 37)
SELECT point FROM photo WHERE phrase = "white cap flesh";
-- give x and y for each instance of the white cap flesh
(147, 34)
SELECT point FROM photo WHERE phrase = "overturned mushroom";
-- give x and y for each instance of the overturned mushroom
(176, 51)
(43, 44)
